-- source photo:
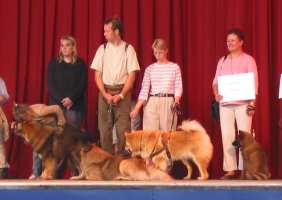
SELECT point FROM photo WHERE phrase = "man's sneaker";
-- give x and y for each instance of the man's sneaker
(32, 177)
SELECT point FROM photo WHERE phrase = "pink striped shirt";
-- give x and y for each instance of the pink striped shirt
(161, 78)
(241, 64)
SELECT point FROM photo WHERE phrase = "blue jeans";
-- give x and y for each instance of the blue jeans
(73, 117)
(37, 164)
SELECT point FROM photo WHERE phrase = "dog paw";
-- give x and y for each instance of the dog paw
(80, 177)
(188, 177)
(46, 178)
(122, 178)
(202, 178)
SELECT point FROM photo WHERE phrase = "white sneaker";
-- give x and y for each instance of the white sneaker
(32, 177)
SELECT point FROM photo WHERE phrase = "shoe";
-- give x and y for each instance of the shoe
(32, 177)
(3, 173)
(228, 177)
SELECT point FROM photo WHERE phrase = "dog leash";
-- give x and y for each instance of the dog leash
(157, 152)
(165, 148)
(111, 113)
(175, 109)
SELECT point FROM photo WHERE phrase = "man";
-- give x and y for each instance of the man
(115, 65)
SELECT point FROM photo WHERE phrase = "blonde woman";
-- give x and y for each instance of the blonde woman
(161, 89)
(67, 80)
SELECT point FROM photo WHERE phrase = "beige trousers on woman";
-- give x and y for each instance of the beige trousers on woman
(229, 116)
(158, 115)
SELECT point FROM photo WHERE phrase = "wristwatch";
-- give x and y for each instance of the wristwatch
(121, 96)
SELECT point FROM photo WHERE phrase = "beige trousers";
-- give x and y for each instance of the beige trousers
(229, 116)
(158, 115)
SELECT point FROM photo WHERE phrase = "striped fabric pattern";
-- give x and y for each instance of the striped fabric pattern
(161, 78)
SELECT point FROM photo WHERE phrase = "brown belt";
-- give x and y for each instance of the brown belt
(113, 89)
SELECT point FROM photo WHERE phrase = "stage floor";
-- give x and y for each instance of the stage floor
(216, 184)
(140, 190)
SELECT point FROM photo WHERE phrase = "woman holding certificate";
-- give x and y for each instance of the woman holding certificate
(239, 110)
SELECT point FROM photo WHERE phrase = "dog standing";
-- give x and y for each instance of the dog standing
(192, 144)
(41, 134)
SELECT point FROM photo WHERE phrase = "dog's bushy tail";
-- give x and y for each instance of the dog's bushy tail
(192, 125)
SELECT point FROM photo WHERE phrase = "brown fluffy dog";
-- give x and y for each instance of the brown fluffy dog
(254, 158)
(40, 133)
(190, 144)
(97, 164)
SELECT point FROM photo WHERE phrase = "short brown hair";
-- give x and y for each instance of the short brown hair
(116, 24)
(160, 44)
(238, 32)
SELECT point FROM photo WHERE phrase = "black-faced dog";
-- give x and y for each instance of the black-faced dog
(254, 158)
(55, 149)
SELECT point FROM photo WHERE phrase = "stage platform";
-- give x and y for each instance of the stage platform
(137, 190)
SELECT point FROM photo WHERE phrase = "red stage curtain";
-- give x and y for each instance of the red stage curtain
(195, 30)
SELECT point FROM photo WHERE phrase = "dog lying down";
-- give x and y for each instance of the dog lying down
(97, 164)
(254, 157)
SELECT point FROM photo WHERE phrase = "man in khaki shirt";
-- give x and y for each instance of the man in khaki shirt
(115, 65)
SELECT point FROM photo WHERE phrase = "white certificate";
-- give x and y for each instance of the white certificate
(280, 87)
(237, 87)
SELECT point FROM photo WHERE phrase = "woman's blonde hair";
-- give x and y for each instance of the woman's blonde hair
(160, 44)
(74, 52)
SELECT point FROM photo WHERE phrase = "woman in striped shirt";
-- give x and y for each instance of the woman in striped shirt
(161, 89)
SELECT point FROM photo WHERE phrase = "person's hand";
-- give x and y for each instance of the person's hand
(251, 108)
(116, 99)
(6, 137)
(175, 108)
(177, 101)
(218, 97)
(13, 125)
(108, 97)
(67, 102)
(134, 113)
